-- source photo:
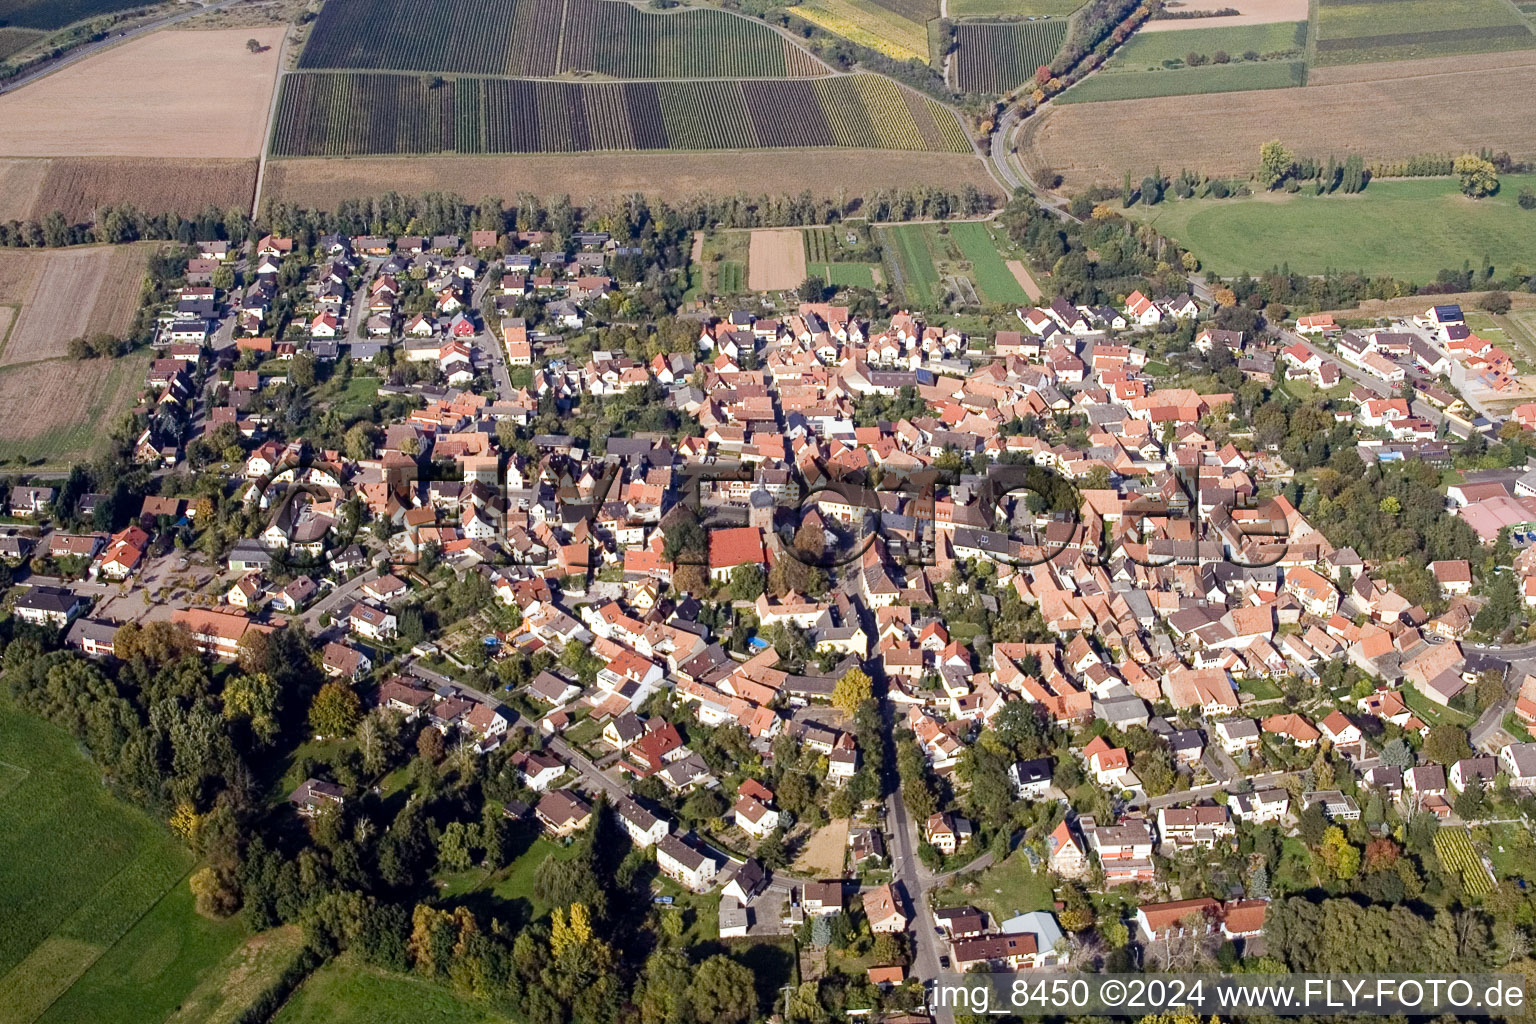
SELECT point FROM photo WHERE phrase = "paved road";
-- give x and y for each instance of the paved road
(1376, 385)
(79, 53)
(1488, 733)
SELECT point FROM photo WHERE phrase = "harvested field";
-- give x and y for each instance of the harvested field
(20, 182)
(1255, 12)
(1408, 305)
(1434, 67)
(1096, 143)
(78, 187)
(823, 853)
(776, 261)
(59, 411)
(72, 292)
(325, 183)
(138, 99)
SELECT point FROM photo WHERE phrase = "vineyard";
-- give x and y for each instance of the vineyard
(546, 38)
(998, 57)
(1457, 857)
(356, 113)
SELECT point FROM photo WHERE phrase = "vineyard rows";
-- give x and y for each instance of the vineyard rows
(1454, 848)
(1000, 56)
(546, 38)
(352, 113)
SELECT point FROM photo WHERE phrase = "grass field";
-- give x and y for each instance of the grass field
(14, 40)
(1350, 31)
(1151, 50)
(244, 974)
(1408, 229)
(869, 24)
(344, 992)
(913, 271)
(845, 275)
(995, 281)
(98, 924)
(1241, 77)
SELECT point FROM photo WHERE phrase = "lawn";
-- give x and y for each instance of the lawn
(344, 992)
(1511, 849)
(1406, 229)
(1003, 890)
(907, 246)
(1429, 711)
(1151, 49)
(356, 396)
(83, 885)
(993, 278)
(1240, 77)
(845, 275)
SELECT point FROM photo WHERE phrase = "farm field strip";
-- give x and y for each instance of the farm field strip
(546, 38)
(1382, 120)
(1369, 231)
(1150, 50)
(908, 246)
(996, 282)
(358, 113)
(1350, 31)
(869, 25)
(1250, 12)
(1453, 847)
(997, 57)
(1225, 78)
(1012, 8)
(775, 260)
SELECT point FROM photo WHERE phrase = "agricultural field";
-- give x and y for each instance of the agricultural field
(1385, 116)
(546, 38)
(997, 283)
(65, 293)
(997, 57)
(910, 263)
(879, 27)
(77, 187)
(1352, 31)
(1221, 78)
(848, 275)
(137, 100)
(673, 176)
(1407, 229)
(95, 897)
(227, 990)
(345, 992)
(1453, 847)
(1250, 12)
(1014, 8)
(51, 14)
(360, 113)
(1161, 49)
(776, 260)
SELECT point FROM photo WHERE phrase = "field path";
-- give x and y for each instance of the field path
(266, 138)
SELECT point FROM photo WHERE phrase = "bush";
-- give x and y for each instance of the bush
(1527, 198)
(1494, 302)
